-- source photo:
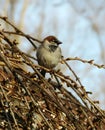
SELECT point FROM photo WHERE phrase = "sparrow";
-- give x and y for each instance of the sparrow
(49, 53)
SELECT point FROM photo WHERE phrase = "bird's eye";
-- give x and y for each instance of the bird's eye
(54, 40)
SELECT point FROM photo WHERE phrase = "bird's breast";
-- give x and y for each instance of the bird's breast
(48, 59)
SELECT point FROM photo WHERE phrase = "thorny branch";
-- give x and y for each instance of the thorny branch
(41, 103)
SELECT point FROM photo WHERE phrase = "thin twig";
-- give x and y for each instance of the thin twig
(91, 62)
(19, 31)
(10, 107)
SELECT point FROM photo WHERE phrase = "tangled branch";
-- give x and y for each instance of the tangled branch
(29, 102)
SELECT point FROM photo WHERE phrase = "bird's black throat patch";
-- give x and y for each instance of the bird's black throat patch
(52, 48)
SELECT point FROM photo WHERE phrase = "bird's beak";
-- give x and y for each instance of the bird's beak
(59, 42)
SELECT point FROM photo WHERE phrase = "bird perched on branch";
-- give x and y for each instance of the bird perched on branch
(49, 53)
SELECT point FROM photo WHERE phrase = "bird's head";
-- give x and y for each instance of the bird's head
(51, 43)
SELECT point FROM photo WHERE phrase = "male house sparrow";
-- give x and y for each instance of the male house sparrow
(49, 53)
